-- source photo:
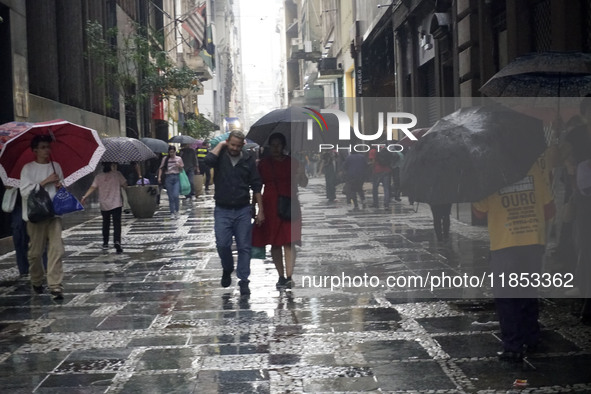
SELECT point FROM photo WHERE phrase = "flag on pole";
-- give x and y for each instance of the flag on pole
(194, 24)
(208, 51)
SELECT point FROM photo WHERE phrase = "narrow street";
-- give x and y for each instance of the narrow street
(156, 320)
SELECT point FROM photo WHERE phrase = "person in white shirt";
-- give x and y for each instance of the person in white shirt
(47, 233)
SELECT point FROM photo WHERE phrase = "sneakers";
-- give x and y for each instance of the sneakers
(105, 246)
(37, 289)
(281, 282)
(244, 290)
(172, 216)
(226, 279)
(118, 249)
(57, 294)
(288, 282)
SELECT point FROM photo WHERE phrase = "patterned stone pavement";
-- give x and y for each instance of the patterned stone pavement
(155, 319)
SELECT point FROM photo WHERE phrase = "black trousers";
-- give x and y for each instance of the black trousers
(517, 307)
(116, 213)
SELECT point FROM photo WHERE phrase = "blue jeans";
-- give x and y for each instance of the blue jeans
(236, 223)
(20, 239)
(173, 189)
(384, 179)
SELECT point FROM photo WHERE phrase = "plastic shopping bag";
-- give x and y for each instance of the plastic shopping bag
(64, 202)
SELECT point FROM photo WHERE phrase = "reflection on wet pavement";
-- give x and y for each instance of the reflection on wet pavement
(155, 320)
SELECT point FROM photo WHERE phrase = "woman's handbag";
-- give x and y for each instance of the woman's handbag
(64, 202)
(9, 199)
(285, 211)
(185, 185)
(39, 205)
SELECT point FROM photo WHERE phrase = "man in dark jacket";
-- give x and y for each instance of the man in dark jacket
(235, 174)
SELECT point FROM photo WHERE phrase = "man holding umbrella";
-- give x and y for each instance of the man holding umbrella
(46, 174)
(516, 224)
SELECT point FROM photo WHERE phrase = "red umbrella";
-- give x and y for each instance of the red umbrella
(76, 148)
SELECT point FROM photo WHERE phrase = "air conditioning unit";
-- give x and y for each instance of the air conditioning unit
(328, 63)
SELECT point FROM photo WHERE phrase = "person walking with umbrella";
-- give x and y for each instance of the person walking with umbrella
(276, 171)
(109, 185)
(517, 216)
(44, 173)
(170, 168)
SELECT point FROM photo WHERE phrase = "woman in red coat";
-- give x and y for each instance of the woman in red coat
(276, 171)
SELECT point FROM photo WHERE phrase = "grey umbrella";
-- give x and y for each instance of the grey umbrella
(182, 139)
(125, 149)
(156, 145)
(470, 154)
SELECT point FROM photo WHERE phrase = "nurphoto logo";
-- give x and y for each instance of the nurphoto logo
(392, 122)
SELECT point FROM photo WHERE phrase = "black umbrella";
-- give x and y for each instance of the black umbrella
(183, 139)
(292, 122)
(546, 74)
(548, 81)
(470, 154)
(156, 145)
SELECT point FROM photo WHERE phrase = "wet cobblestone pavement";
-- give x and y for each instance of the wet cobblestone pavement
(155, 319)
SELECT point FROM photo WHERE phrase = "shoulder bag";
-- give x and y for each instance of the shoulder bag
(9, 199)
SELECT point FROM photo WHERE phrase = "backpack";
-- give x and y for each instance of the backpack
(584, 177)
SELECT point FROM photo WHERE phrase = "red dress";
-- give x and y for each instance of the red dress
(276, 175)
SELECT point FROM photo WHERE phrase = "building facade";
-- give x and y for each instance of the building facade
(49, 72)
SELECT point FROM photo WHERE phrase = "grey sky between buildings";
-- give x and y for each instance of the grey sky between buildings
(262, 24)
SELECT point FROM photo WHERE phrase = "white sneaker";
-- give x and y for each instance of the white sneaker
(178, 215)
(172, 216)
